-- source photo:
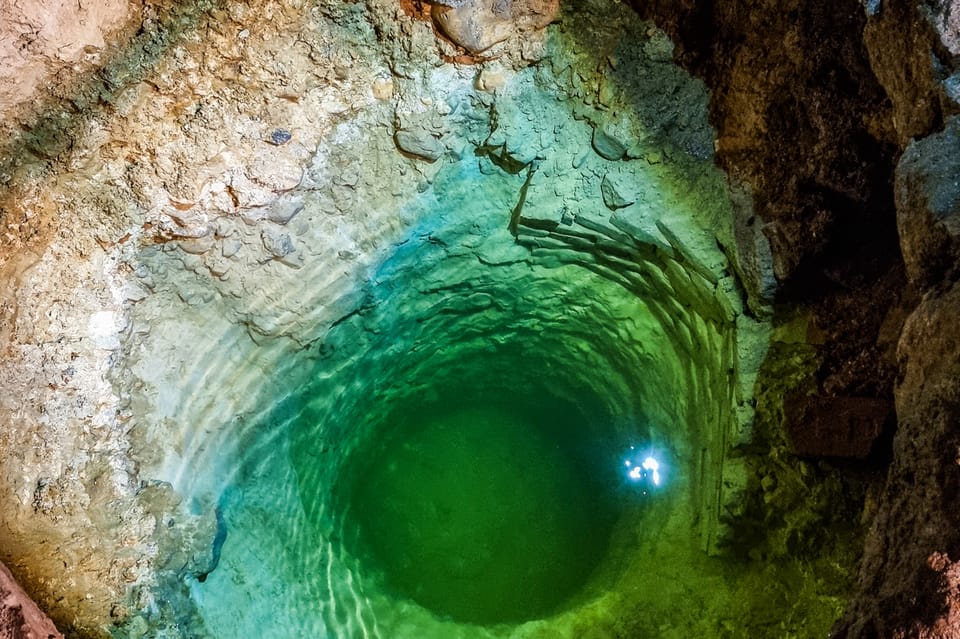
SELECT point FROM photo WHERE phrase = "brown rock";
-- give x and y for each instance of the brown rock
(20, 618)
(477, 25)
(901, 50)
(811, 139)
(917, 515)
(835, 426)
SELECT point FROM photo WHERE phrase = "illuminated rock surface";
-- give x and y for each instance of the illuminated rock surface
(318, 322)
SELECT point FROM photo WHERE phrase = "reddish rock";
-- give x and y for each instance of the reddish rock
(20, 618)
(835, 426)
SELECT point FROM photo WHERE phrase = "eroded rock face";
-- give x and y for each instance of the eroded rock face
(811, 139)
(816, 136)
(899, 589)
(477, 25)
(20, 618)
(39, 39)
(928, 206)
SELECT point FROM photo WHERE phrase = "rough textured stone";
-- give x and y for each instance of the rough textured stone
(835, 426)
(20, 618)
(916, 516)
(477, 25)
(420, 144)
(928, 206)
(754, 263)
(38, 39)
(797, 134)
(607, 145)
(615, 194)
(901, 46)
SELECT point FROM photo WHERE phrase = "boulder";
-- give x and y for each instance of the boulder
(928, 206)
(615, 193)
(607, 145)
(477, 25)
(419, 144)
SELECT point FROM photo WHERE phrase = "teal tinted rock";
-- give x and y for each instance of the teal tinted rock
(607, 145)
(639, 222)
(419, 144)
(615, 192)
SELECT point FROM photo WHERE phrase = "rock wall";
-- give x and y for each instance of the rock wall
(818, 135)
(154, 143)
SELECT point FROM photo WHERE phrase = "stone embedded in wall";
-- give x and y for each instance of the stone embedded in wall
(754, 260)
(420, 144)
(607, 144)
(928, 206)
(20, 618)
(615, 193)
(477, 25)
(490, 80)
(835, 426)
(901, 39)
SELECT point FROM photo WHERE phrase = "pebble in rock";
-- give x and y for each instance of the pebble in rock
(607, 146)
(614, 193)
(419, 144)
(280, 137)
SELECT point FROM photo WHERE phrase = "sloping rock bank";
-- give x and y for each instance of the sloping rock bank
(20, 618)
(823, 111)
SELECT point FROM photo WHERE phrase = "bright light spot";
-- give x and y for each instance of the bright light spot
(646, 471)
(651, 464)
(104, 329)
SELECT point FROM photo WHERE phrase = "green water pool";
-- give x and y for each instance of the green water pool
(482, 513)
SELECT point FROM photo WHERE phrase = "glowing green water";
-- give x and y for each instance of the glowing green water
(482, 514)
